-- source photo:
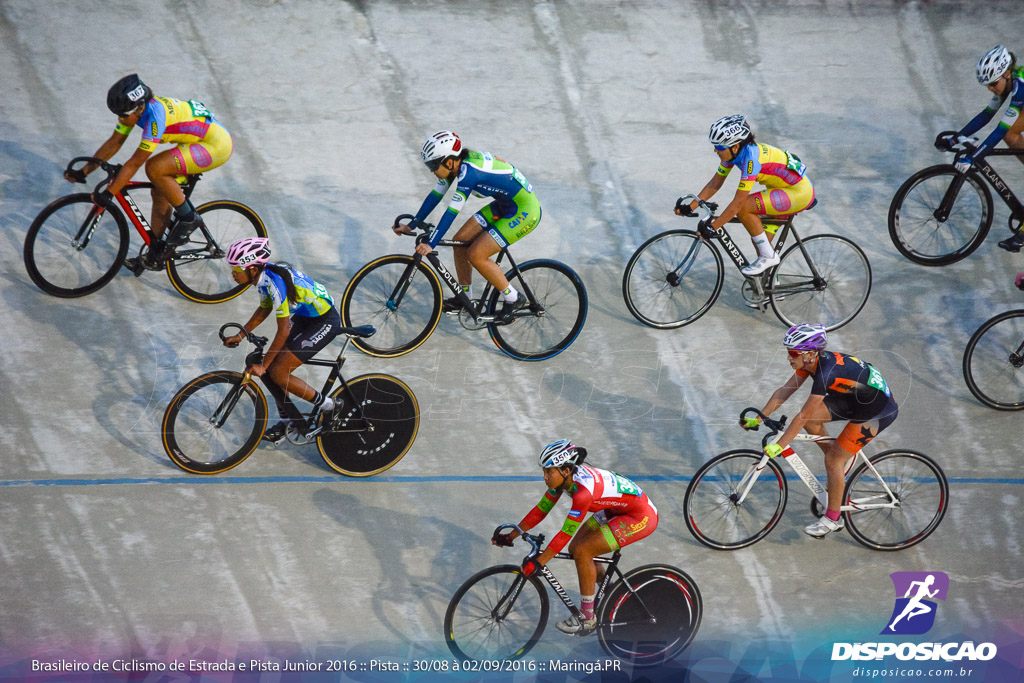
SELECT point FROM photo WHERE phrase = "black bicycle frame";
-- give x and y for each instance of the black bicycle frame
(988, 173)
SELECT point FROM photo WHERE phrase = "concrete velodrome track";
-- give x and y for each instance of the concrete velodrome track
(108, 552)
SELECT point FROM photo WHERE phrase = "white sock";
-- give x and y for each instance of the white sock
(764, 247)
(468, 290)
(510, 294)
(328, 405)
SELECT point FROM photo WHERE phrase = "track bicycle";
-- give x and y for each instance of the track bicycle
(675, 277)
(216, 421)
(74, 246)
(994, 360)
(940, 216)
(645, 616)
(893, 500)
(401, 296)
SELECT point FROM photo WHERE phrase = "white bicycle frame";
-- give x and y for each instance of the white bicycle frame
(812, 483)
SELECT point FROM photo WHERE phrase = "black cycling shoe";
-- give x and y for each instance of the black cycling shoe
(451, 305)
(276, 434)
(508, 310)
(143, 262)
(180, 230)
(1013, 243)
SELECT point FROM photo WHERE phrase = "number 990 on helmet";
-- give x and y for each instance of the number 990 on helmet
(127, 94)
(993, 65)
(560, 454)
(249, 251)
(805, 337)
(729, 130)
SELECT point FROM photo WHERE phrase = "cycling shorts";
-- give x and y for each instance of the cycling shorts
(785, 201)
(505, 231)
(309, 336)
(857, 435)
(621, 530)
(198, 157)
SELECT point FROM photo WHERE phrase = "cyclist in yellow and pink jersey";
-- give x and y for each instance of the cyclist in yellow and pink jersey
(623, 514)
(200, 142)
(789, 190)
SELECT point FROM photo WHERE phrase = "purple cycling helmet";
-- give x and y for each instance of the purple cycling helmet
(805, 337)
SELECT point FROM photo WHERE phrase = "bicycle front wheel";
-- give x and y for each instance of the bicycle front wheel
(672, 279)
(920, 236)
(714, 513)
(74, 247)
(198, 269)
(650, 615)
(824, 279)
(403, 302)
(392, 418)
(921, 492)
(191, 435)
(554, 318)
(994, 362)
(497, 614)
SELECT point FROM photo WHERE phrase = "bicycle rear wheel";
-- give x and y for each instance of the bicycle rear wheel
(491, 618)
(922, 495)
(713, 512)
(404, 315)
(920, 236)
(73, 247)
(672, 279)
(554, 318)
(994, 362)
(831, 294)
(198, 269)
(394, 418)
(191, 437)
(659, 592)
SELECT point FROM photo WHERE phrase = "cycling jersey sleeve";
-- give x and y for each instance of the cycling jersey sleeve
(153, 123)
(432, 200)
(273, 294)
(1009, 118)
(581, 501)
(462, 191)
(979, 121)
(541, 510)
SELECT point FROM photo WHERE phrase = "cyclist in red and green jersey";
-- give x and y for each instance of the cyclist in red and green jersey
(623, 514)
(200, 142)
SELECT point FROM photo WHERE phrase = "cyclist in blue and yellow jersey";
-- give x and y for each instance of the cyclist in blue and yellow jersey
(513, 214)
(307, 321)
(789, 190)
(997, 70)
(200, 142)
(843, 387)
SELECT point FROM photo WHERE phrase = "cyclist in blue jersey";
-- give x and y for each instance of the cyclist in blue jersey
(307, 321)
(200, 142)
(513, 213)
(997, 70)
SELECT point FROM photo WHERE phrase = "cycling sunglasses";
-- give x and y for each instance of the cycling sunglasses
(721, 148)
(434, 164)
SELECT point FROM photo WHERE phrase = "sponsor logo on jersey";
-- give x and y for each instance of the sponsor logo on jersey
(576, 514)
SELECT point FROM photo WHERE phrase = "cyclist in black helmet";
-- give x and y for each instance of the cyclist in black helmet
(200, 142)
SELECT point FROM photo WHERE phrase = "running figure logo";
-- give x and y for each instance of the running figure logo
(914, 612)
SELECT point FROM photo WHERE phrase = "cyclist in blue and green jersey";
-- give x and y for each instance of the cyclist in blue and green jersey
(200, 142)
(307, 321)
(513, 214)
(997, 70)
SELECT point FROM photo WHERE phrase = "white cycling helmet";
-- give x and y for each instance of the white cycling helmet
(249, 251)
(806, 337)
(440, 145)
(559, 454)
(993, 65)
(729, 130)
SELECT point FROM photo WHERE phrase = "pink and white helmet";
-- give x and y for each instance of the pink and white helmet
(440, 145)
(249, 251)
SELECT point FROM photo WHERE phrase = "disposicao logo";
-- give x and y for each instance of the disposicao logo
(916, 593)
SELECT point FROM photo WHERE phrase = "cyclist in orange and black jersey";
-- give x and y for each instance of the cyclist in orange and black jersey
(843, 388)
(623, 514)
(201, 144)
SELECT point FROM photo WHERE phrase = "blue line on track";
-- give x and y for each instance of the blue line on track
(338, 479)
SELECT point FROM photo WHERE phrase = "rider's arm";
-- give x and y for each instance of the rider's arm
(539, 511)
(811, 405)
(109, 148)
(581, 501)
(1010, 116)
(979, 121)
(783, 393)
(713, 186)
(432, 200)
(284, 326)
(128, 170)
(734, 208)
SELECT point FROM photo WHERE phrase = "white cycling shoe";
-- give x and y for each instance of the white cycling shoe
(573, 626)
(823, 527)
(762, 264)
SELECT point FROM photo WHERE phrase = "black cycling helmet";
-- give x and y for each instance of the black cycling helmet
(127, 94)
